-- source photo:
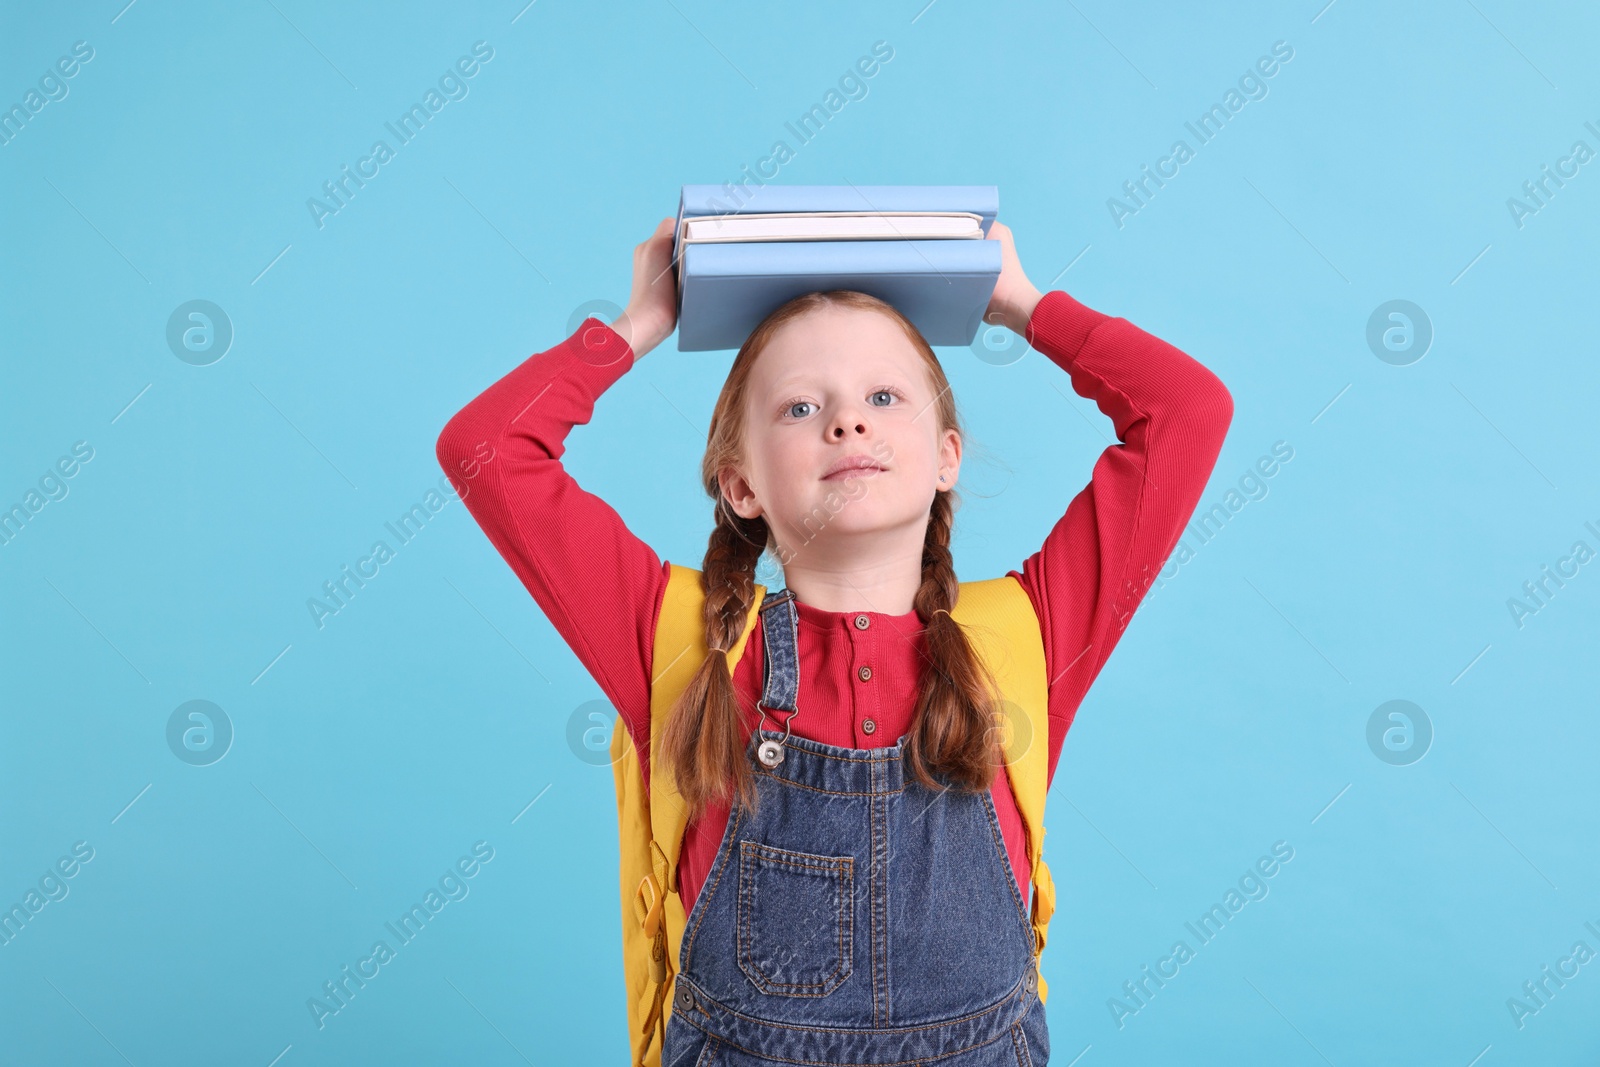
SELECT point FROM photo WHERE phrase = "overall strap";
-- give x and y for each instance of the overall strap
(780, 644)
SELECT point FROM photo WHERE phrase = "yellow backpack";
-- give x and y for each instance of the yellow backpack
(1004, 631)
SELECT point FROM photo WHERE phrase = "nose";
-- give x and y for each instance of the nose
(846, 422)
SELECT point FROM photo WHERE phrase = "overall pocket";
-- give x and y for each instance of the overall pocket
(796, 915)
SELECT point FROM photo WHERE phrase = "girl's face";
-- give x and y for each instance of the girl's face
(842, 435)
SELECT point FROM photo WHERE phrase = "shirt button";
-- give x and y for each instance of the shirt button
(865, 673)
(862, 622)
(867, 726)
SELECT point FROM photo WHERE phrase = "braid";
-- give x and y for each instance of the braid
(952, 733)
(728, 575)
(703, 740)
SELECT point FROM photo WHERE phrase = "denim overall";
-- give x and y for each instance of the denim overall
(857, 917)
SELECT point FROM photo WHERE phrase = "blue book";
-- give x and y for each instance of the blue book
(921, 248)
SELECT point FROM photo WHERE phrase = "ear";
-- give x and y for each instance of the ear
(736, 490)
(949, 459)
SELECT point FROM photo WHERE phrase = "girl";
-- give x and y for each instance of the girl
(834, 394)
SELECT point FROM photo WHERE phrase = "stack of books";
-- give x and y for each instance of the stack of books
(921, 248)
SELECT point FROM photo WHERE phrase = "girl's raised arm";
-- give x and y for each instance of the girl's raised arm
(1171, 415)
(599, 585)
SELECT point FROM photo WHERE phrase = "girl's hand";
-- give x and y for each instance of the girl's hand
(652, 311)
(1014, 295)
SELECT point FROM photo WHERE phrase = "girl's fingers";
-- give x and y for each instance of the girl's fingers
(663, 229)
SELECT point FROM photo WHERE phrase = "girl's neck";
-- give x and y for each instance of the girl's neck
(868, 570)
(884, 590)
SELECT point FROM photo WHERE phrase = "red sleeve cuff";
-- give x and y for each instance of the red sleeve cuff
(599, 353)
(1060, 322)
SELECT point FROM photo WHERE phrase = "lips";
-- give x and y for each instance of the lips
(853, 465)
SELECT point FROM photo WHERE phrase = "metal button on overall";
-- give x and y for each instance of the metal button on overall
(685, 999)
(865, 673)
(862, 622)
(868, 726)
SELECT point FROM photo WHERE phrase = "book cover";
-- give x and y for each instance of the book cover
(941, 286)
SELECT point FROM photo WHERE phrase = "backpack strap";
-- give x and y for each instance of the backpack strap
(651, 831)
(642, 953)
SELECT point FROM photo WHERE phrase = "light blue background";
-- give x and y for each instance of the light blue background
(370, 754)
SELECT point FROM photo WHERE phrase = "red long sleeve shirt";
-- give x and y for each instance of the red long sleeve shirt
(602, 587)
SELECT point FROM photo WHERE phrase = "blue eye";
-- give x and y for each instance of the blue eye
(888, 391)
